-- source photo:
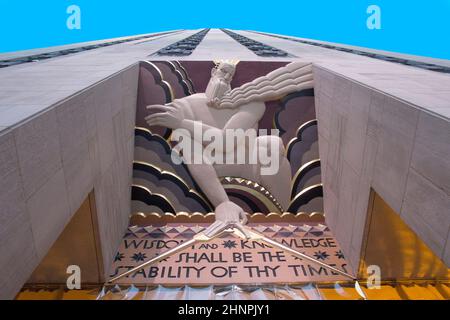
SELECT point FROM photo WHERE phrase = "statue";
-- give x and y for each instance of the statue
(220, 110)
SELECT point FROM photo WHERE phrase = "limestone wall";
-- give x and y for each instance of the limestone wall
(50, 163)
(369, 139)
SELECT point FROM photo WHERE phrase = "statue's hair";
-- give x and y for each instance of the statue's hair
(293, 77)
(231, 68)
(229, 63)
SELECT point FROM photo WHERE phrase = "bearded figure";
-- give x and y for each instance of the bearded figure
(219, 111)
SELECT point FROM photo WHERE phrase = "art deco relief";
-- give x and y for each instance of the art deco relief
(268, 95)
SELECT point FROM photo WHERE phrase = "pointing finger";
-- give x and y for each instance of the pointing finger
(156, 122)
(155, 116)
(174, 105)
(158, 107)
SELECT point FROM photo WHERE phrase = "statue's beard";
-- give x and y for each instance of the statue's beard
(217, 88)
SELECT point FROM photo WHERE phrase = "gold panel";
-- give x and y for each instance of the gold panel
(58, 293)
(334, 291)
(78, 244)
(396, 249)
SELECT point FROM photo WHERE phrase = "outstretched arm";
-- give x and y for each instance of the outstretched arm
(172, 117)
(293, 77)
(227, 213)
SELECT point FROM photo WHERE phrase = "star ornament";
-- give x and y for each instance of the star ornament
(119, 256)
(139, 257)
(230, 244)
(339, 254)
(321, 255)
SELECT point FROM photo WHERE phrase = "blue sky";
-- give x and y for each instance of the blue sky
(415, 27)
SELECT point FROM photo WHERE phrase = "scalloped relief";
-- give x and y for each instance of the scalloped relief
(141, 218)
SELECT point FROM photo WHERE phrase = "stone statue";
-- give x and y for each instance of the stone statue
(220, 110)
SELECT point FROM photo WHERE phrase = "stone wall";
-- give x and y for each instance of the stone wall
(50, 163)
(370, 140)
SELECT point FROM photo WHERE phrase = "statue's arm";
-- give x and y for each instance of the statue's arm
(293, 77)
(246, 118)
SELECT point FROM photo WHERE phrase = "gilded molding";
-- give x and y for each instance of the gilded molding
(178, 181)
(143, 219)
(255, 189)
(298, 134)
(311, 164)
(153, 196)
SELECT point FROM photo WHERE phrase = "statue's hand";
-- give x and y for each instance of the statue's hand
(213, 103)
(171, 116)
(225, 105)
(228, 214)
